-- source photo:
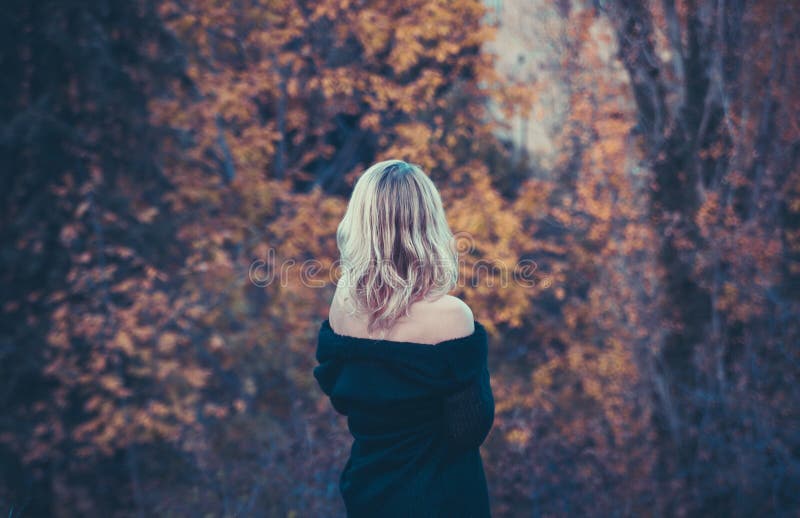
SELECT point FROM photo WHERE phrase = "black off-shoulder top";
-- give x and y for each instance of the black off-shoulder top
(418, 414)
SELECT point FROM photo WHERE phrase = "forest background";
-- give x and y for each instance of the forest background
(635, 161)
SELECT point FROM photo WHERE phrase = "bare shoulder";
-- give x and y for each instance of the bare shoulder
(457, 312)
(446, 318)
(341, 312)
(429, 321)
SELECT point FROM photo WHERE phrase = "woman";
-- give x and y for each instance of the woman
(402, 359)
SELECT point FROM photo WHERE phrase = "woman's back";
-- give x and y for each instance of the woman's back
(429, 321)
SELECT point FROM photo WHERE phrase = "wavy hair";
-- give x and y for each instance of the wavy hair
(394, 243)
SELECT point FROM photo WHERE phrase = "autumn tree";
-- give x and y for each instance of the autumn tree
(575, 416)
(713, 85)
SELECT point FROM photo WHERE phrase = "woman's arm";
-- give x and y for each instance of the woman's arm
(469, 413)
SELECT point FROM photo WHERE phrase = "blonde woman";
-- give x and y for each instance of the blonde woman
(402, 359)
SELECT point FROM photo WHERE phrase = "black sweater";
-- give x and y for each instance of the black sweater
(418, 414)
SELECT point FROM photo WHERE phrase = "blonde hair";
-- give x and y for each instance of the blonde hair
(394, 242)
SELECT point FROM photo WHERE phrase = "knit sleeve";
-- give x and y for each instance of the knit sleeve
(469, 413)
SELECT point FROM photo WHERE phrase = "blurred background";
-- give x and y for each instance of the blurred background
(170, 169)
